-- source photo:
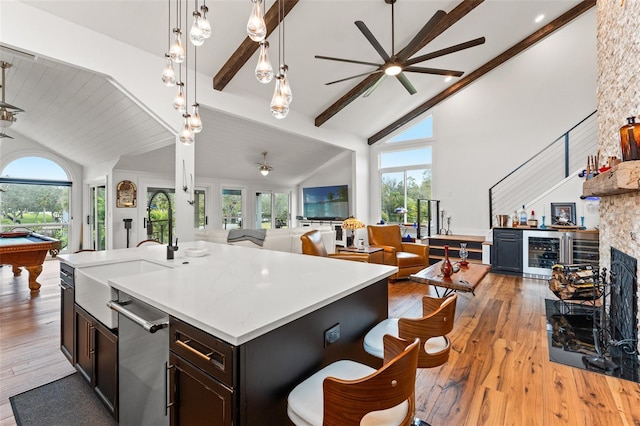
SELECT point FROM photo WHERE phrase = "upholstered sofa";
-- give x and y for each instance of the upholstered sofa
(282, 239)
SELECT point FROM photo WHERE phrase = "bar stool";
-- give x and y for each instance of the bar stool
(432, 329)
(347, 393)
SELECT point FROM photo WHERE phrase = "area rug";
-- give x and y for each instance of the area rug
(67, 401)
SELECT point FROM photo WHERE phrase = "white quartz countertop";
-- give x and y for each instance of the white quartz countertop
(236, 293)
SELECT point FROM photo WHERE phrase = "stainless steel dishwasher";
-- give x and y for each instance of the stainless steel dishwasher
(143, 351)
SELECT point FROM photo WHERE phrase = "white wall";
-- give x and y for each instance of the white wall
(507, 116)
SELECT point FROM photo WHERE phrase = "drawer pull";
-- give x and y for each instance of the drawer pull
(206, 357)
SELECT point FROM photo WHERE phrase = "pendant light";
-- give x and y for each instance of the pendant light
(264, 70)
(195, 34)
(179, 102)
(186, 134)
(169, 74)
(282, 95)
(195, 122)
(256, 27)
(205, 25)
(176, 52)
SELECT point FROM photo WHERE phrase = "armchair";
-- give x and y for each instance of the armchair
(408, 257)
(312, 244)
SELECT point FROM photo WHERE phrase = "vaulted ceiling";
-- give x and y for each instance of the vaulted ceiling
(87, 116)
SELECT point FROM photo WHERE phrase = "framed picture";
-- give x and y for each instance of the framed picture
(563, 213)
(126, 194)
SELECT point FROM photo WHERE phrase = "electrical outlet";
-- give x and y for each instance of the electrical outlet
(332, 335)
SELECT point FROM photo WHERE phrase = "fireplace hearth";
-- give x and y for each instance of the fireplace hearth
(600, 335)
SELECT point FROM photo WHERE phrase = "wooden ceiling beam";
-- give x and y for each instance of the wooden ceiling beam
(487, 67)
(451, 18)
(248, 47)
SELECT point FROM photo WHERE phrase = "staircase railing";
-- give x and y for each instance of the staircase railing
(545, 169)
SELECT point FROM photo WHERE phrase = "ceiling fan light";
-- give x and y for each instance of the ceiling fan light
(256, 27)
(264, 170)
(264, 70)
(7, 119)
(393, 69)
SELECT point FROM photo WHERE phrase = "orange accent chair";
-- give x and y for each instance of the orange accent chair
(312, 245)
(408, 257)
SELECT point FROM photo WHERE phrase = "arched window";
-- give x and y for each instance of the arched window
(34, 193)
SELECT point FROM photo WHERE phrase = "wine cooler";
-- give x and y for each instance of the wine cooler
(543, 249)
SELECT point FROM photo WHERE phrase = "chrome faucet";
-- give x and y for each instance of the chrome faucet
(170, 247)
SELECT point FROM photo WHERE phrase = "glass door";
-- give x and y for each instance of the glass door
(97, 217)
(540, 251)
(272, 210)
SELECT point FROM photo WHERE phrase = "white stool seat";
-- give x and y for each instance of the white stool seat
(305, 403)
(373, 339)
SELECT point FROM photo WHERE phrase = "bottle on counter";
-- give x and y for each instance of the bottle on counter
(533, 221)
(522, 214)
(514, 219)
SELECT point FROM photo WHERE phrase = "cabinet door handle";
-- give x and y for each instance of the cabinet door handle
(87, 334)
(206, 357)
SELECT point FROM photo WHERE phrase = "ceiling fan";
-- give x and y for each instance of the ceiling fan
(264, 167)
(397, 63)
(7, 111)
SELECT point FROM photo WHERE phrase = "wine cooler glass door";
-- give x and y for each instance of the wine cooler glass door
(541, 250)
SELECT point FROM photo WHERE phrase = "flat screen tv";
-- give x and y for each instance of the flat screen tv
(326, 202)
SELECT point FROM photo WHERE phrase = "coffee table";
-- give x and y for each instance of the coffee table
(466, 279)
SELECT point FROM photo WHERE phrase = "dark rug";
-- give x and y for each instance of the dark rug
(67, 401)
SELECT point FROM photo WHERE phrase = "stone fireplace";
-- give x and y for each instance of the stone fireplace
(618, 97)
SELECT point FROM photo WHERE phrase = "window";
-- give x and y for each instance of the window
(36, 195)
(404, 164)
(231, 208)
(199, 212)
(272, 210)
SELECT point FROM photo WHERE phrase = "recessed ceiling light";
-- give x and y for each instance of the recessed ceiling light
(539, 18)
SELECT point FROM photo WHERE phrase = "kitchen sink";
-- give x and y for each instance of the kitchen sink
(93, 292)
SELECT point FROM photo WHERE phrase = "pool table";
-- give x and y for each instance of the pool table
(27, 249)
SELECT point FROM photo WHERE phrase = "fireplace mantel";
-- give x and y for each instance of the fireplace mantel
(620, 179)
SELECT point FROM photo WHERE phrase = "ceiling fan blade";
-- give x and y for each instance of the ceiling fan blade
(375, 85)
(446, 51)
(406, 83)
(373, 64)
(374, 42)
(436, 71)
(414, 45)
(352, 77)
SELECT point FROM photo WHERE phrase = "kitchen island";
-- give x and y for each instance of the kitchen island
(276, 317)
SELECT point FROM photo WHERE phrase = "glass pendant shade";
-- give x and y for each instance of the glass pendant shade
(264, 70)
(169, 74)
(186, 134)
(196, 121)
(256, 27)
(195, 34)
(176, 52)
(179, 102)
(286, 89)
(203, 22)
(279, 104)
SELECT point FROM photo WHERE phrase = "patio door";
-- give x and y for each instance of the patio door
(272, 210)
(97, 219)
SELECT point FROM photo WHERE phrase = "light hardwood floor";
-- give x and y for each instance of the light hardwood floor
(498, 372)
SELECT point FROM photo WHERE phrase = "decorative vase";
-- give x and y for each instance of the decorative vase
(630, 140)
(447, 267)
(463, 254)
